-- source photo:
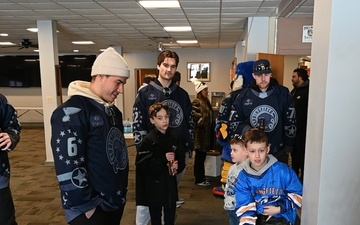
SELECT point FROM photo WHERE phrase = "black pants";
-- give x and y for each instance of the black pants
(169, 214)
(7, 209)
(100, 217)
(261, 220)
(199, 166)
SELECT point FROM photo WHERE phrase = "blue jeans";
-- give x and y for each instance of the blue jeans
(233, 219)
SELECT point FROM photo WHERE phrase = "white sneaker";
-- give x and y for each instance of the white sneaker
(204, 183)
(180, 201)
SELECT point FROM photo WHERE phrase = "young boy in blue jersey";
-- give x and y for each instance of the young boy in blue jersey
(269, 192)
(238, 156)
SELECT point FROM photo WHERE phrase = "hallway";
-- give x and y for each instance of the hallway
(37, 197)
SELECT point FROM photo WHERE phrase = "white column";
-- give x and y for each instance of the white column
(261, 33)
(48, 55)
(331, 179)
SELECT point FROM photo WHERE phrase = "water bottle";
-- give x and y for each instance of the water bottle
(127, 126)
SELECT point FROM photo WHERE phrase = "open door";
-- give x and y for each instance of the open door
(277, 65)
(141, 73)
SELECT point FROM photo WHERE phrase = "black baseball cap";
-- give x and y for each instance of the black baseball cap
(262, 66)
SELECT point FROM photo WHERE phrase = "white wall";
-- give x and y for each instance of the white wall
(291, 63)
(220, 60)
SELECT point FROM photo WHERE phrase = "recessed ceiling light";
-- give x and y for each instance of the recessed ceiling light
(4, 35)
(36, 50)
(178, 29)
(160, 4)
(6, 43)
(187, 42)
(75, 50)
(35, 30)
(83, 42)
(102, 49)
(32, 29)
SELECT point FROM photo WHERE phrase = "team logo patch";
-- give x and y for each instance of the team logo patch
(78, 177)
(248, 101)
(176, 113)
(96, 121)
(152, 96)
(116, 150)
(266, 113)
(68, 111)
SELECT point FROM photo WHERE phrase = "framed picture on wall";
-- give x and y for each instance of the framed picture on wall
(307, 34)
(199, 70)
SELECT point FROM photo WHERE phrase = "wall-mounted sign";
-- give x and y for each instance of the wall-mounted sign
(307, 34)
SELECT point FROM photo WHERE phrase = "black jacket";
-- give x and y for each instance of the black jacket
(8, 124)
(301, 97)
(154, 185)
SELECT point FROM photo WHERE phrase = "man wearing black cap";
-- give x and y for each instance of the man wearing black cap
(266, 105)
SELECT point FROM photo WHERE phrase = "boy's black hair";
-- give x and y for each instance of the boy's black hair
(256, 136)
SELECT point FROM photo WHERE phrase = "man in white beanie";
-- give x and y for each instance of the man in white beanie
(90, 153)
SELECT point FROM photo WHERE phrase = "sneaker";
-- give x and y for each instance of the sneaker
(204, 184)
(178, 205)
(218, 191)
(180, 201)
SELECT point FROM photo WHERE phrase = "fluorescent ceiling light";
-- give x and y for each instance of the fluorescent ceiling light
(4, 35)
(35, 30)
(6, 43)
(187, 42)
(83, 42)
(36, 50)
(32, 29)
(177, 29)
(160, 4)
(75, 50)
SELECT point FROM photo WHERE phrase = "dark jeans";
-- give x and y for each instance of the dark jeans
(199, 166)
(272, 221)
(7, 209)
(100, 217)
(169, 214)
(233, 219)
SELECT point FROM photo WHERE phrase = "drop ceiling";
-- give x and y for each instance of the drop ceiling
(214, 23)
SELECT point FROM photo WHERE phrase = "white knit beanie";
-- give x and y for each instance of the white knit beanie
(110, 62)
(199, 86)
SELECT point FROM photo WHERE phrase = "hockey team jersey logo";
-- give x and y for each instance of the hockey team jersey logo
(266, 113)
(176, 113)
(116, 150)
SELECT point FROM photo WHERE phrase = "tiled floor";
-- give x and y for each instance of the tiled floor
(37, 199)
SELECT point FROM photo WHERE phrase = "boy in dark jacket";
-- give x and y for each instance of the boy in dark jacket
(158, 160)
